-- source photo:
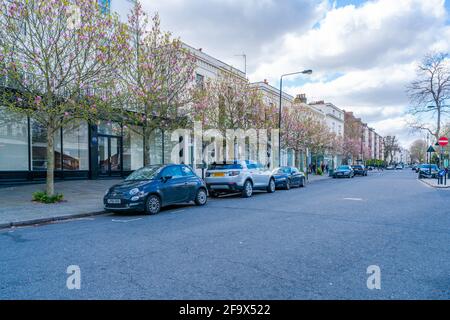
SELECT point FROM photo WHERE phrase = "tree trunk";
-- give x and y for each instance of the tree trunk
(146, 146)
(438, 129)
(50, 188)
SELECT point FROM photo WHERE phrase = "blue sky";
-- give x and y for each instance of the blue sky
(363, 53)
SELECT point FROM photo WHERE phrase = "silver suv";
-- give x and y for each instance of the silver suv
(239, 176)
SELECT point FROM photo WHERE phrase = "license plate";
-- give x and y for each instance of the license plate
(114, 201)
(219, 174)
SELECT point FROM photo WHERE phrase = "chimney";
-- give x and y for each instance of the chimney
(301, 98)
(200, 49)
(265, 81)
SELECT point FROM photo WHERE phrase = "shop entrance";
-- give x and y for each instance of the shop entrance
(109, 156)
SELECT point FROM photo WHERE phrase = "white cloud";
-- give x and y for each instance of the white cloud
(225, 28)
(374, 48)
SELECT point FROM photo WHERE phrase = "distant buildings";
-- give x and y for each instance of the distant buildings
(361, 142)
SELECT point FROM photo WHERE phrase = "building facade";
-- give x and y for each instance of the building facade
(88, 151)
(367, 144)
(335, 120)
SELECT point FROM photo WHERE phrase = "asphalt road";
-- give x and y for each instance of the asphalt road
(312, 243)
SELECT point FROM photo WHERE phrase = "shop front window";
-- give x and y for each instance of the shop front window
(109, 128)
(13, 141)
(76, 146)
(155, 147)
(133, 148)
(39, 147)
(169, 145)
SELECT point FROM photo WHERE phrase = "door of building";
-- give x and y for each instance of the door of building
(109, 156)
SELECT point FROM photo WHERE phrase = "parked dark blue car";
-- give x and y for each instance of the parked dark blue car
(151, 188)
(287, 177)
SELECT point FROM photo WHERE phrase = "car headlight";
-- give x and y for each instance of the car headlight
(134, 191)
(106, 192)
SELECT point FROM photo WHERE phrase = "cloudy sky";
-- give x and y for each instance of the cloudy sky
(363, 53)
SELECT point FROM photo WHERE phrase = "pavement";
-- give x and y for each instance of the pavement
(81, 197)
(315, 177)
(434, 183)
(308, 243)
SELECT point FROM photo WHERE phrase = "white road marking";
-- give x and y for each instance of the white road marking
(178, 211)
(125, 221)
(353, 199)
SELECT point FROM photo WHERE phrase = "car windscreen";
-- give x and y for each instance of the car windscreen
(146, 173)
(357, 167)
(224, 166)
(427, 166)
(344, 168)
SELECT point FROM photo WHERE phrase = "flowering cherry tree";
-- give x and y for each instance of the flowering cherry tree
(58, 58)
(229, 102)
(302, 129)
(157, 78)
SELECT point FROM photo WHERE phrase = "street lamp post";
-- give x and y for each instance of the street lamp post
(279, 111)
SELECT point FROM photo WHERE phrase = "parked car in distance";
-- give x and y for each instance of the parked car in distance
(239, 176)
(399, 167)
(153, 187)
(428, 171)
(390, 167)
(287, 177)
(344, 172)
(360, 170)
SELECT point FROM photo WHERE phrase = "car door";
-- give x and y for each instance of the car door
(174, 189)
(263, 175)
(191, 182)
(295, 176)
(253, 170)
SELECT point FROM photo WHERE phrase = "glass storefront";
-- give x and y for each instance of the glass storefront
(156, 147)
(39, 147)
(81, 150)
(13, 141)
(23, 144)
(109, 128)
(76, 146)
(169, 145)
(133, 148)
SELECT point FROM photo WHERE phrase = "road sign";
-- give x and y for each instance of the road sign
(431, 149)
(443, 141)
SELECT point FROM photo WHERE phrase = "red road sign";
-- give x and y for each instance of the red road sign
(443, 141)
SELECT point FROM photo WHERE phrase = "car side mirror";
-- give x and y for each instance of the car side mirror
(166, 178)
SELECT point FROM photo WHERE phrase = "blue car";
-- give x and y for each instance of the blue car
(344, 172)
(153, 187)
(288, 177)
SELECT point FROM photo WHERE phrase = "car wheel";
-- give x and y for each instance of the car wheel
(288, 185)
(153, 205)
(201, 198)
(302, 183)
(271, 187)
(248, 189)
